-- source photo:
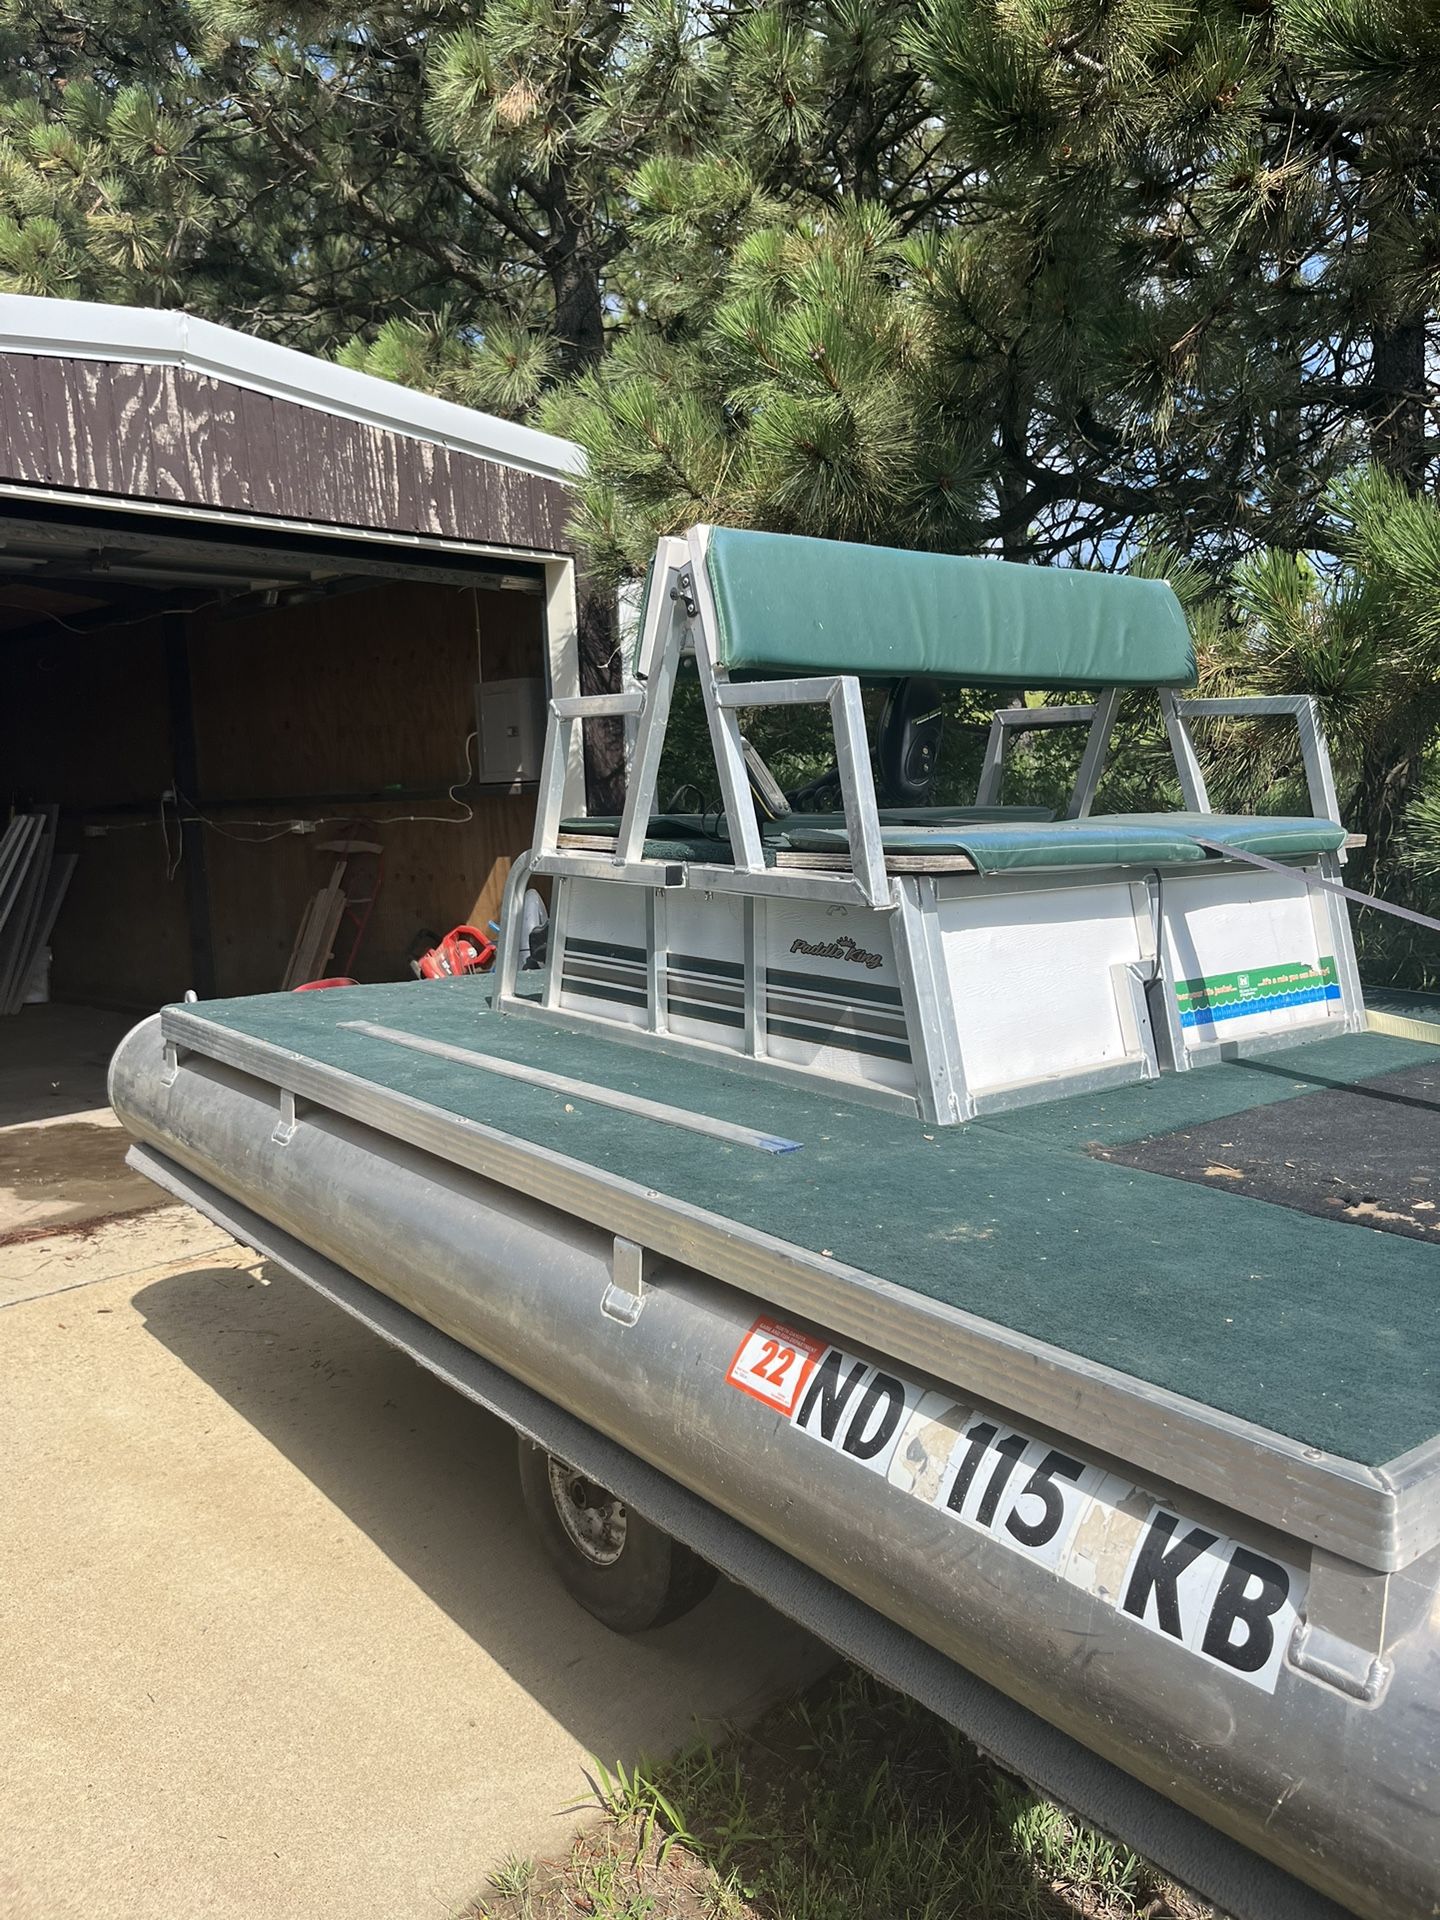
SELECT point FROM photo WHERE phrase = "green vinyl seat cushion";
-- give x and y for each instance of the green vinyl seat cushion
(702, 850)
(787, 605)
(661, 826)
(711, 826)
(1103, 840)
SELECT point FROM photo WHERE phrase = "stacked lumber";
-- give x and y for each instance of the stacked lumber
(315, 940)
(32, 887)
(326, 909)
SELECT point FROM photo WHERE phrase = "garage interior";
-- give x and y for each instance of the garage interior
(209, 713)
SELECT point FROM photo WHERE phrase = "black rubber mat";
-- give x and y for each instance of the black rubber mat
(1368, 1153)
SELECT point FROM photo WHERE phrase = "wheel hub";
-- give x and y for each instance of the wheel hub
(593, 1519)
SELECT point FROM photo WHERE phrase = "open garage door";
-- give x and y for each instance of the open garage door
(256, 609)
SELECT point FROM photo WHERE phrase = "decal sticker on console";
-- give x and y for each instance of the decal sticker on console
(1234, 996)
(842, 947)
(1219, 1599)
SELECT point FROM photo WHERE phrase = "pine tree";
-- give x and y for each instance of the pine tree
(1178, 282)
(441, 184)
(1229, 208)
(1364, 637)
(1175, 265)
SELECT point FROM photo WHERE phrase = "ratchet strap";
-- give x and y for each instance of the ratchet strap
(1322, 886)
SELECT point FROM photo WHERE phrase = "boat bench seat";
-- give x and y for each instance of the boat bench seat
(661, 826)
(697, 850)
(992, 839)
(711, 826)
(1102, 840)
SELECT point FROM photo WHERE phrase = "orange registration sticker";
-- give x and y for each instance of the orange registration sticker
(773, 1364)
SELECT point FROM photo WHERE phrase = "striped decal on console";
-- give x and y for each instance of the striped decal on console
(603, 970)
(860, 1016)
(855, 1016)
(698, 988)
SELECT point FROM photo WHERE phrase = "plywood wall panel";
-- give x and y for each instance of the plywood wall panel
(87, 723)
(435, 875)
(349, 696)
(354, 695)
(509, 627)
(122, 938)
(85, 719)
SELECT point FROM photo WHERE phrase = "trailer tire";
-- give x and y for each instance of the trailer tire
(619, 1566)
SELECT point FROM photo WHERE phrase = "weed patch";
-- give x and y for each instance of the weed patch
(849, 1803)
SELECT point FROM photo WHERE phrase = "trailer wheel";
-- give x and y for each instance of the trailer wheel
(618, 1565)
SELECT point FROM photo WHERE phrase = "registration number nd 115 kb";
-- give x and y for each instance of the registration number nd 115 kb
(1216, 1597)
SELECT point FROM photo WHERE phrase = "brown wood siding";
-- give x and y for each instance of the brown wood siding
(167, 434)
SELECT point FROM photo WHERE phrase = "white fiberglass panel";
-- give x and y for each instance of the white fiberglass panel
(1249, 955)
(704, 942)
(602, 962)
(1030, 975)
(832, 993)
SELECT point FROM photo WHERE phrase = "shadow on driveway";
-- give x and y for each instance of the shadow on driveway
(431, 1479)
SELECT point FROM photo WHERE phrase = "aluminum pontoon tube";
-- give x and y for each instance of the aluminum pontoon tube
(1182, 1845)
(1341, 1793)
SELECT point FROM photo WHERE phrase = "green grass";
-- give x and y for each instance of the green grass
(850, 1803)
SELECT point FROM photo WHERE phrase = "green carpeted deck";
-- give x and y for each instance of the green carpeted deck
(1319, 1330)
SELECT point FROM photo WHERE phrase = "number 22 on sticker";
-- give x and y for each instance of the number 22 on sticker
(773, 1364)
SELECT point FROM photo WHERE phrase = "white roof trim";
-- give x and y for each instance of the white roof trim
(151, 336)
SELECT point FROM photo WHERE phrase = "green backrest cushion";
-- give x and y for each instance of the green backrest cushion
(792, 606)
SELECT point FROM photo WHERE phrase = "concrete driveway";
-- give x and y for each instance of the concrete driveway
(276, 1640)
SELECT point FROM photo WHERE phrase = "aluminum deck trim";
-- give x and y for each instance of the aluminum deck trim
(559, 1083)
(1416, 1472)
(1361, 1513)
